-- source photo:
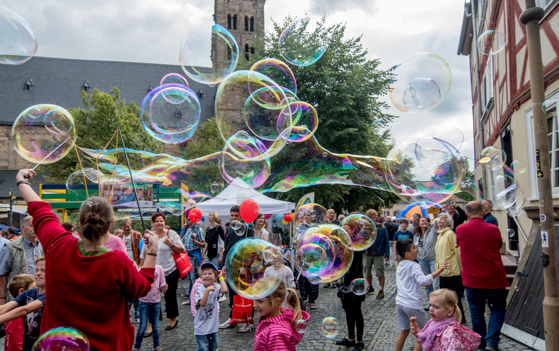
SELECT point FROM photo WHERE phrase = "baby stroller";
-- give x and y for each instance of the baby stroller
(305, 305)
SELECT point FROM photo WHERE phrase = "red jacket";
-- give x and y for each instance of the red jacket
(482, 267)
(87, 293)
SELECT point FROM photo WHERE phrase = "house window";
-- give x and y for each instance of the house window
(229, 21)
(229, 53)
(552, 133)
(481, 11)
(487, 84)
(246, 23)
(234, 22)
(86, 87)
(252, 24)
(543, 3)
(246, 52)
(28, 85)
(252, 51)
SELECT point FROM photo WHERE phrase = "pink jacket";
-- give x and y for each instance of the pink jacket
(278, 333)
(456, 338)
(116, 243)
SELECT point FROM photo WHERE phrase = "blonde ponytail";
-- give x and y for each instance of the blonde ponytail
(279, 295)
(294, 304)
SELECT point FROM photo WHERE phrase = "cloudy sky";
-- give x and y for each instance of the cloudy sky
(151, 31)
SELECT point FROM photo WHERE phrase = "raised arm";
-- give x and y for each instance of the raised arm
(18, 312)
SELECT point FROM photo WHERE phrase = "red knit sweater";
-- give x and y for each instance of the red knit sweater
(87, 293)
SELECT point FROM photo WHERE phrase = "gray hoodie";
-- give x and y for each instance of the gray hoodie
(427, 252)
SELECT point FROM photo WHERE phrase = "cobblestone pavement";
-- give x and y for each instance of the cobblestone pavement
(380, 325)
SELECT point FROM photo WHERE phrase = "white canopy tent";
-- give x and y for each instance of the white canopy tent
(223, 202)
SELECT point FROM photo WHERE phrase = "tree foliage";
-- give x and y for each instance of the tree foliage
(103, 114)
(345, 88)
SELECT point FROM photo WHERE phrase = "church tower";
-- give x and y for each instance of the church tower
(244, 19)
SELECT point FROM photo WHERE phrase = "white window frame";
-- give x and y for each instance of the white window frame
(481, 12)
(529, 117)
(487, 84)
(543, 3)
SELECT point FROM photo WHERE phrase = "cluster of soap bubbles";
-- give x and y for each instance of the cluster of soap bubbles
(17, 40)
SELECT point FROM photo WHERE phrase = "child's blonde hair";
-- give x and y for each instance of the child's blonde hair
(20, 281)
(448, 299)
(281, 292)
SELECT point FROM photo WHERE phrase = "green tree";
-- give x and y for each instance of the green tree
(95, 125)
(345, 88)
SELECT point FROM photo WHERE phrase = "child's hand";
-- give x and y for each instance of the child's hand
(221, 274)
(414, 328)
(164, 288)
(446, 264)
(210, 288)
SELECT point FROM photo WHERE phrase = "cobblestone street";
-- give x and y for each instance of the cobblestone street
(380, 325)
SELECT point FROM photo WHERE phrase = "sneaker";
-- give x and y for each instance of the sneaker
(245, 327)
(136, 321)
(327, 285)
(334, 286)
(359, 346)
(187, 302)
(158, 348)
(135, 349)
(370, 290)
(226, 324)
(345, 342)
(223, 298)
(380, 295)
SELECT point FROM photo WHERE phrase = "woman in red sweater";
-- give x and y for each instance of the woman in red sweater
(88, 285)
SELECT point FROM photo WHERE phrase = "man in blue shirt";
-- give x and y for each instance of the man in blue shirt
(193, 238)
(487, 216)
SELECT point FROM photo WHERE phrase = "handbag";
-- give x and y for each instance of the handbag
(242, 310)
(182, 261)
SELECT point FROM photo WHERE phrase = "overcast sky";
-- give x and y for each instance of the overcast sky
(151, 31)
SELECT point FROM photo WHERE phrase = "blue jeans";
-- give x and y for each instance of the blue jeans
(214, 261)
(192, 274)
(136, 311)
(207, 342)
(497, 300)
(428, 267)
(151, 311)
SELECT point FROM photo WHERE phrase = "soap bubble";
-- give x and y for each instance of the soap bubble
(42, 129)
(506, 192)
(301, 326)
(174, 78)
(366, 231)
(243, 173)
(248, 102)
(17, 40)
(78, 179)
(330, 327)
(303, 42)
(430, 12)
(518, 167)
(377, 122)
(195, 55)
(278, 71)
(359, 286)
(437, 170)
(491, 42)
(511, 233)
(239, 227)
(324, 253)
(304, 119)
(492, 158)
(62, 339)
(420, 83)
(549, 107)
(310, 214)
(170, 113)
(245, 269)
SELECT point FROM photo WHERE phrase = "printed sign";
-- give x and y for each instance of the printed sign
(123, 195)
(538, 164)
(545, 239)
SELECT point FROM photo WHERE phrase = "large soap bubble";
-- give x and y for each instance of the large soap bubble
(310, 214)
(62, 339)
(420, 83)
(44, 130)
(324, 253)
(208, 61)
(491, 42)
(17, 40)
(303, 42)
(429, 169)
(365, 231)
(171, 113)
(174, 78)
(506, 192)
(246, 263)
(330, 327)
(278, 71)
(304, 119)
(492, 158)
(82, 177)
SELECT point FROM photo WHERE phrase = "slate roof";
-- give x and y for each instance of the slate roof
(59, 81)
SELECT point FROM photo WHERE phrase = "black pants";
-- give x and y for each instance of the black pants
(354, 316)
(171, 303)
(455, 284)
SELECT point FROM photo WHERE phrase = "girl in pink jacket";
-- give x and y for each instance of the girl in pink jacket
(279, 329)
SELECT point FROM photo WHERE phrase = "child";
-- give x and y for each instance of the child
(443, 331)
(276, 327)
(15, 329)
(149, 307)
(281, 271)
(206, 319)
(409, 280)
(402, 234)
(30, 304)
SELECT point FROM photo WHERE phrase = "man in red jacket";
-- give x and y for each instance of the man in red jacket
(483, 274)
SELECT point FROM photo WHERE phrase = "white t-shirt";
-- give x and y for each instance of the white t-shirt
(165, 253)
(206, 319)
(128, 242)
(285, 274)
(409, 280)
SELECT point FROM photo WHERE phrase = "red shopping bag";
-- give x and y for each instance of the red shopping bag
(242, 310)
(183, 263)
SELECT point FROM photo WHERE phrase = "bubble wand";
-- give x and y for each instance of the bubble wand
(47, 156)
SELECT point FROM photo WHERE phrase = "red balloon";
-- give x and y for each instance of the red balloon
(249, 210)
(195, 215)
(267, 216)
(287, 217)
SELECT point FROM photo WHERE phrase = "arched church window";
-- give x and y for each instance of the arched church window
(252, 24)
(229, 21)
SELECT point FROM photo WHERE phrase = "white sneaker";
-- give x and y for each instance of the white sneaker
(187, 302)
(226, 324)
(245, 327)
(223, 298)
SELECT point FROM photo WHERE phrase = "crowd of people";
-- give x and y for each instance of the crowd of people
(129, 271)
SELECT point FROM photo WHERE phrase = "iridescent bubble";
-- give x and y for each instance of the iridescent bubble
(17, 40)
(365, 231)
(549, 107)
(170, 113)
(505, 192)
(245, 174)
(377, 122)
(359, 287)
(491, 42)
(310, 214)
(420, 83)
(245, 269)
(62, 339)
(303, 42)
(197, 56)
(304, 119)
(278, 71)
(511, 233)
(330, 327)
(239, 227)
(430, 12)
(301, 326)
(518, 166)
(44, 130)
(492, 158)
(324, 253)
(85, 176)
(174, 78)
